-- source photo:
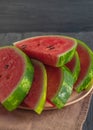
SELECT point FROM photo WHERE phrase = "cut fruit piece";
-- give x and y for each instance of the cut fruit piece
(85, 78)
(52, 50)
(36, 97)
(49, 104)
(59, 85)
(16, 75)
(74, 66)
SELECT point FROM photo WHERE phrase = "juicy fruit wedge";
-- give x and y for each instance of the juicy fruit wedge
(16, 74)
(36, 97)
(51, 50)
(49, 104)
(74, 66)
(85, 78)
(59, 85)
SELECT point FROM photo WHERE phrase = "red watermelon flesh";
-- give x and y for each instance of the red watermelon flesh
(71, 64)
(86, 65)
(49, 104)
(37, 95)
(84, 62)
(51, 50)
(54, 76)
(74, 66)
(10, 62)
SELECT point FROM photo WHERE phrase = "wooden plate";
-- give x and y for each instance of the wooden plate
(75, 97)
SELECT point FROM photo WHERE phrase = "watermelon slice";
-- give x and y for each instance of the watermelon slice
(74, 66)
(16, 75)
(51, 50)
(59, 85)
(36, 98)
(85, 78)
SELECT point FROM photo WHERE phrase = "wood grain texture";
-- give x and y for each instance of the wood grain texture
(46, 15)
(9, 38)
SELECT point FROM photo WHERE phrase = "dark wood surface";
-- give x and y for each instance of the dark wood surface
(47, 16)
(9, 38)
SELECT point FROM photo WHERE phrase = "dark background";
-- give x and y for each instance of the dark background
(65, 16)
(46, 15)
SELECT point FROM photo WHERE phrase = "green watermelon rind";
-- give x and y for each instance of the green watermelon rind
(65, 90)
(66, 57)
(76, 70)
(61, 58)
(23, 87)
(88, 80)
(41, 101)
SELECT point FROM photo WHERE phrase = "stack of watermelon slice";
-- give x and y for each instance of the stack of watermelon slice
(43, 71)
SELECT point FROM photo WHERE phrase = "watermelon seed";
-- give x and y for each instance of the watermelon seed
(23, 46)
(6, 66)
(51, 47)
(0, 76)
(38, 44)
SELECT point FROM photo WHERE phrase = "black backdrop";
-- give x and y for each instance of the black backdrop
(46, 15)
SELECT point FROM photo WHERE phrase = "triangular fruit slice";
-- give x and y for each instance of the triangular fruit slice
(16, 75)
(49, 104)
(74, 66)
(36, 97)
(51, 50)
(85, 78)
(59, 85)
